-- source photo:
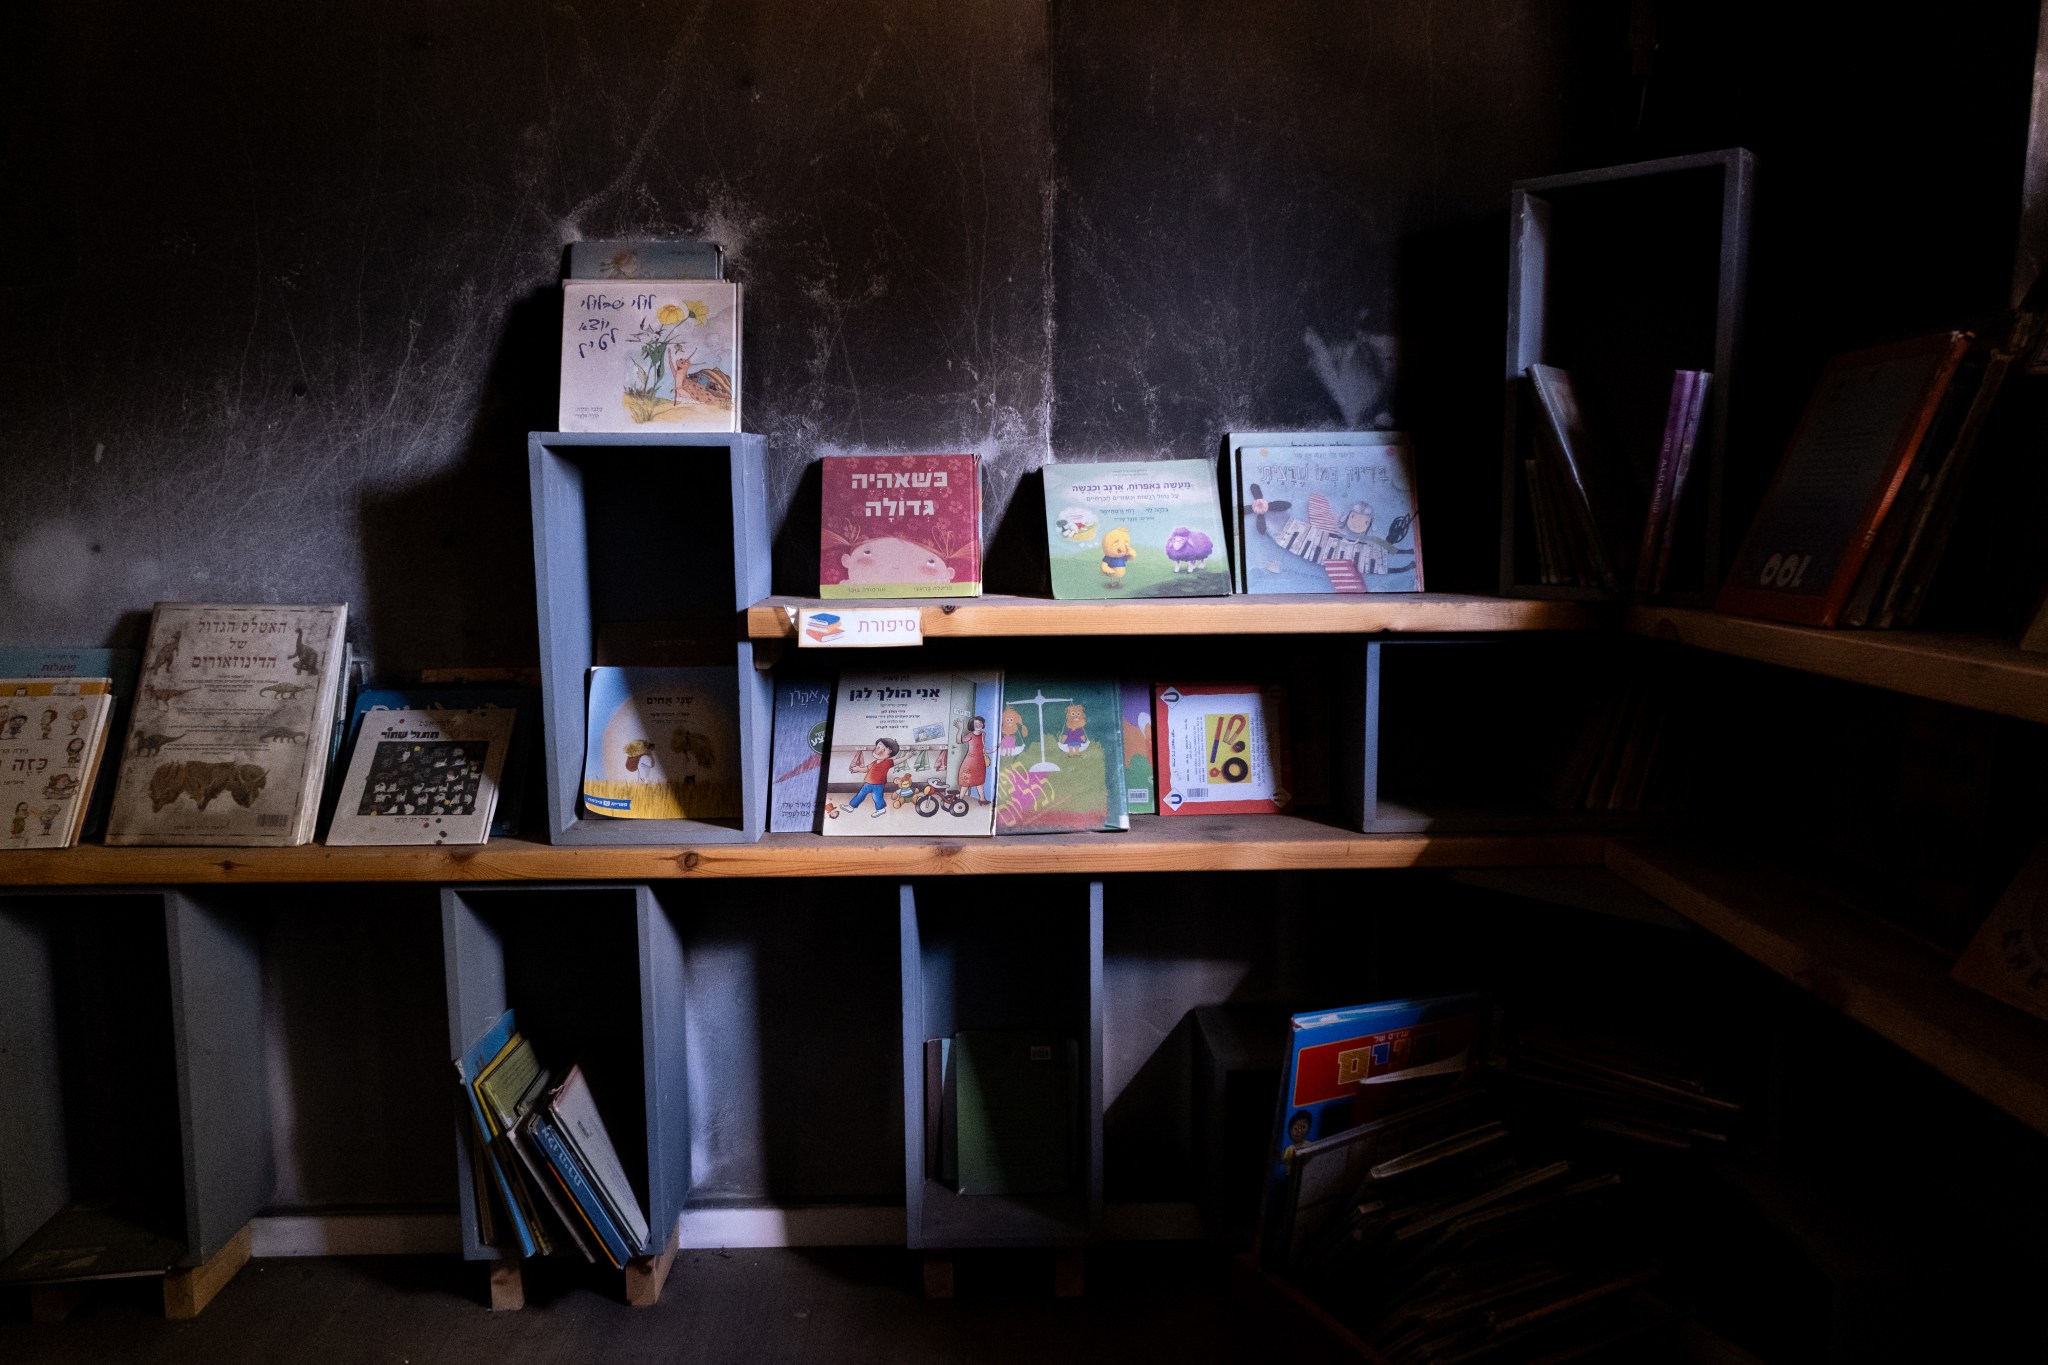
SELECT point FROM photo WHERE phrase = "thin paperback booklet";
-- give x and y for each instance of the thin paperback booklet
(458, 690)
(1340, 515)
(53, 732)
(900, 526)
(662, 743)
(796, 759)
(232, 724)
(1221, 749)
(910, 754)
(1139, 529)
(1140, 782)
(650, 355)
(1061, 756)
(424, 776)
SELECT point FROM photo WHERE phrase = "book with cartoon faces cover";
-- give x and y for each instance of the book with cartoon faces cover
(1337, 516)
(900, 526)
(912, 754)
(1059, 755)
(53, 732)
(1140, 529)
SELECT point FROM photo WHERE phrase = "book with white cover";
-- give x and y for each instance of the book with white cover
(424, 776)
(52, 734)
(650, 355)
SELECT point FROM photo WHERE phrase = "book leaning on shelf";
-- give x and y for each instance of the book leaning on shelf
(53, 733)
(231, 731)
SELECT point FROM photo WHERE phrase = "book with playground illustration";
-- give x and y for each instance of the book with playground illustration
(913, 754)
(1059, 756)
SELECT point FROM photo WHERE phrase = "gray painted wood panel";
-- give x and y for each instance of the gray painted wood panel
(664, 1060)
(35, 1177)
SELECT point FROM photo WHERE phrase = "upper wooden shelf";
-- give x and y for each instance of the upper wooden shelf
(1267, 843)
(1885, 980)
(774, 618)
(1965, 670)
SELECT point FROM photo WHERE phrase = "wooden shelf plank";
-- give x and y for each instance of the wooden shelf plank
(1885, 980)
(774, 618)
(1154, 844)
(1985, 675)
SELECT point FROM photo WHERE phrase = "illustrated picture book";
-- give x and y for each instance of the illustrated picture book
(1138, 529)
(1221, 749)
(424, 775)
(118, 667)
(650, 355)
(900, 526)
(508, 689)
(1059, 755)
(1337, 517)
(662, 743)
(796, 759)
(53, 734)
(1140, 789)
(658, 259)
(913, 753)
(233, 720)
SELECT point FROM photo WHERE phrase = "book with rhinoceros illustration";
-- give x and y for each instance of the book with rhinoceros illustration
(228, 740)
(1148, 528)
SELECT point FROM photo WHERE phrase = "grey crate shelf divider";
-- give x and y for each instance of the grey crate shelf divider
(563, 467)
(474, 955)
(213, 962)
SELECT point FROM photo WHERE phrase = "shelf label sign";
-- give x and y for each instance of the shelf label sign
(859, 627)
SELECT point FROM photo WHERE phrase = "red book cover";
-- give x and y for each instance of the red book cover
(1222, 749)
(900, 526)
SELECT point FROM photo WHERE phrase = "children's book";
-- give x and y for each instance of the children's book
(233, 725)
(53, 733)
(1017, 1111)
(900, 526)
(671, 259)
(1348, 1067)
(650, 355)
(796, 759)
(465, 690)
(424, 775)
(662, 744)
(1060, 755)
(1221, 749)
(1142, 529)
(1140, 788)
(118, 667)
(573, 1109)
(910, 754)
(496, 1177)
(1342, 516)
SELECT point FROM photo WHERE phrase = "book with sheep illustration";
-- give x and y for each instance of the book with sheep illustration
(1138, 529)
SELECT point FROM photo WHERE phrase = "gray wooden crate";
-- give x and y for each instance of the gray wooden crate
(968, 966)
(595, 974)
(171, 982)
(604, 506)
(1690, 317)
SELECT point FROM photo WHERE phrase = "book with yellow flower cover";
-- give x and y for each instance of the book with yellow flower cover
(650, 355)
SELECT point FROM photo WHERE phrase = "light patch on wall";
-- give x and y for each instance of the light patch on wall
(1357, 373)
(53, 565)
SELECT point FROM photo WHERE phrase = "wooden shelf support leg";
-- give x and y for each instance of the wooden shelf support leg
(645, 1275)
(1069, 1265)
(938, 1274)
(187, 1290)
(508, 1286)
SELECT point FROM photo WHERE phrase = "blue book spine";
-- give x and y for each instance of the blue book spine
(565, 1164)
(466, 1068)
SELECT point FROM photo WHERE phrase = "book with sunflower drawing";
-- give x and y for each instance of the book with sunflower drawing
(650, 355)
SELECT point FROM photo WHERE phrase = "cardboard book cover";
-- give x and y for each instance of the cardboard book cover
(1221, 749)
(1339, 518)
(1017, 1111)
(1060, 755)
(900, 526)
(53, 733)
(1141, 795)
(663, 259)
(2008, 958)
(910, 754)
(230, 734)
(796, 760)
(449, 689)
(650, 355)
(1140, 529)
(424, 775)
(662, 744)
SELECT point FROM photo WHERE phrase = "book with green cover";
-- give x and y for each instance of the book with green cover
(1060, 755)
(1017, 1111)
(1147, 528)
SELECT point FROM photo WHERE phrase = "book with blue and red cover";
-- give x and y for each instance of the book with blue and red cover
(796, 754)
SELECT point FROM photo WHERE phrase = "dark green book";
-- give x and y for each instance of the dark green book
(1017, 1111)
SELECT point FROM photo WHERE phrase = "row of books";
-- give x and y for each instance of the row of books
(547, 1179)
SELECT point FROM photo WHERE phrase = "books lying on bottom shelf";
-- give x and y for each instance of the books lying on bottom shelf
(1060, 755)
(424, 775)
(53, 735)
(910, 754)
(796, 762)
(535, 1146)
(663, 743)
(1221, 749)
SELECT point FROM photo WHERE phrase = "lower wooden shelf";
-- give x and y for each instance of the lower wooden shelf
(1265, 843)
(1885, 980)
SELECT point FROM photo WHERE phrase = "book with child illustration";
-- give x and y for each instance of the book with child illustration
(912, 754)
(900, 526)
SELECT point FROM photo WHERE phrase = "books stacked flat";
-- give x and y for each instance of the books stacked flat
(650, 338)
(546, 1175)
(1599, 522)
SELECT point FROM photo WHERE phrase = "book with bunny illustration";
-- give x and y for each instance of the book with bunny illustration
(663, 743)
(1327, 512)
(1138, 529)
(912, 754)
(900, 526)
(1059, 755)
(650, 355)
